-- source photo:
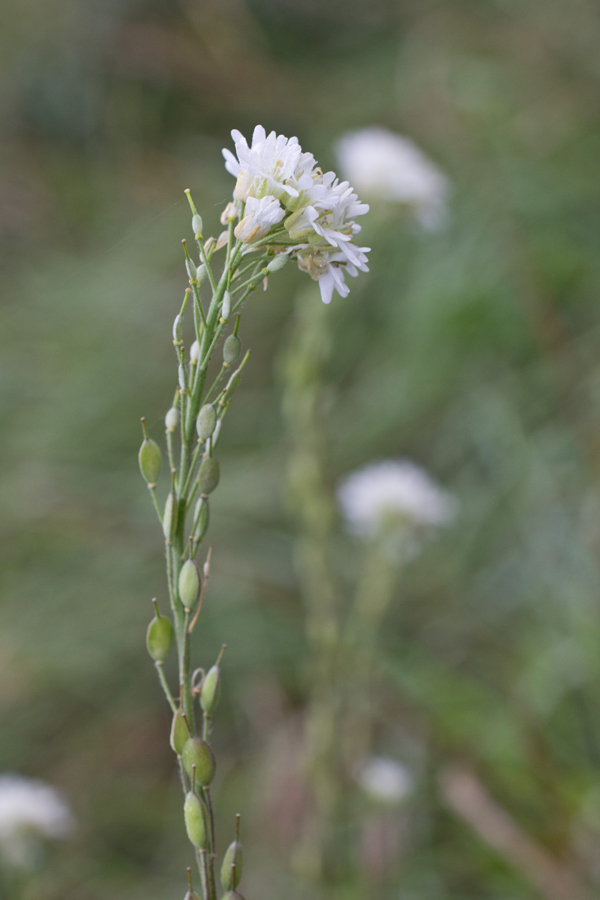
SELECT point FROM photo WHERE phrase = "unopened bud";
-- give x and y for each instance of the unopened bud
(228, 214)
(278, 263)
(231, 870)
(150, 461)
(232, 349)
(206, 421)
(201, 516)
(201, 273)
(222, 240)
(177, 328)
(159, 637)
(191, 269)
(211, 690)
(180, 733)
(197, 225)
(189, 584)
(194, 352)
(196, 820)
(208, 476)
(170, 516)
(226, 308)
(230, 389)
(197, 753)
(172, 419)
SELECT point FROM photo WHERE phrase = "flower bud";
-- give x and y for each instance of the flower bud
(208, 476)
(159, 637)
(206, 421)
(172, 419)
(230, 389)
(231, 870)
(170, 516)
(177, 329)
(201, 273)
(197, 752)
(197, 225)
(201, 516)
(150, 461)
(189, 584)
(211, 690)
(196, 820)
(232, 349)
(194, 352)
(279, 262)
(180, 733)
(226, 308)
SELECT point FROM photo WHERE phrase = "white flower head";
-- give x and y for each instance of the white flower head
(29, 811)
(278, 182)
(259, 218)
(396, 492)
(385, 780)
(383, 164)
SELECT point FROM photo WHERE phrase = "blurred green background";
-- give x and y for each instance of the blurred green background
(474, 351)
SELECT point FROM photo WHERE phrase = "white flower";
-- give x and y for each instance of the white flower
(260, 216)
(329, 269)
(397, 492)
(29, 810)
(382, 164)
(385, 779)
(266, 167)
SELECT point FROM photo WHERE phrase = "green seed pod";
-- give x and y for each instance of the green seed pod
(197, 752)
(191, 269)
(189, 584)
(150, 461)
(206, 421)
(194, 352)
(230, 389)
(179, 732)
(201, 517)
(278, 263)
(177, 329)
(170, 516)
(197, 225)
(226, 308)
(211, 690)
(182, 375)
(231, 870)
(232, 349)
(196, 820)
(208, 476)
(201, 273)
(159, 637)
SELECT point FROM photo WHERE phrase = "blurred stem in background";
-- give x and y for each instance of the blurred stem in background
(313, 509)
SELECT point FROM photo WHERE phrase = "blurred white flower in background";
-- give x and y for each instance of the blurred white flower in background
(393, 493)
(29, 812)
(385, 780)
(382, 164)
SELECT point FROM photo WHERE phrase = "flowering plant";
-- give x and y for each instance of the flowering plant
(283, 207)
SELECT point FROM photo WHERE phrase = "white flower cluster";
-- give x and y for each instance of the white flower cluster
(29, 810)
(391, 167)
(394, 491)
(310, 214)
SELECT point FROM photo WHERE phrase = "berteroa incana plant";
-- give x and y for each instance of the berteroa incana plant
(284, 207)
